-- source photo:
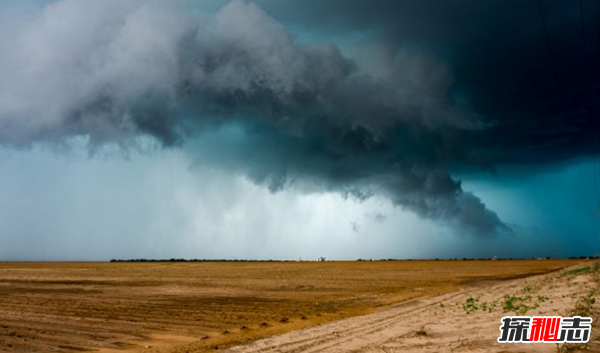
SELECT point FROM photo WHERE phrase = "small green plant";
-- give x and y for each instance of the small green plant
(470, 305)
(493, 305)
(516, 304)
(542, 298)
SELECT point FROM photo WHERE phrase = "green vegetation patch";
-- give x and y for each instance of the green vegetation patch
(577, 271)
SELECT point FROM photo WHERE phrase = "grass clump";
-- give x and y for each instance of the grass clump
(585, 305)
(577, 271)
(528, 288)
(471, 305)
(517, 304)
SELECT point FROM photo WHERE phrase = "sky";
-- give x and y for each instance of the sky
(295, 130)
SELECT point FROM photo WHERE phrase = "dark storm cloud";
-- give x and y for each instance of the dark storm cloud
(501, 63)
(440, 85)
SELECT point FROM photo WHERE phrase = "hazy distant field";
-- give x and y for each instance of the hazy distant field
(155, 306)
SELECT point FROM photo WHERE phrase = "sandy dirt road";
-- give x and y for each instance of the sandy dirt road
(464, 321)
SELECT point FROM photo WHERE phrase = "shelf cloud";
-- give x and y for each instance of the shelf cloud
(238, 90)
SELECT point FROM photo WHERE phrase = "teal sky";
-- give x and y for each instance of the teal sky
(70, 206)
(287, 129)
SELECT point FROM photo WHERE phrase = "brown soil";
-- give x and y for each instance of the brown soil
(179, 307)
(464, 321)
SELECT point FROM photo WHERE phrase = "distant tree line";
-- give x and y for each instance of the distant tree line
(197, 260)
(321, 259)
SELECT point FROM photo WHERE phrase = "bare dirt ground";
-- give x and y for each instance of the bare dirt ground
(464, 321)
(200, 307)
